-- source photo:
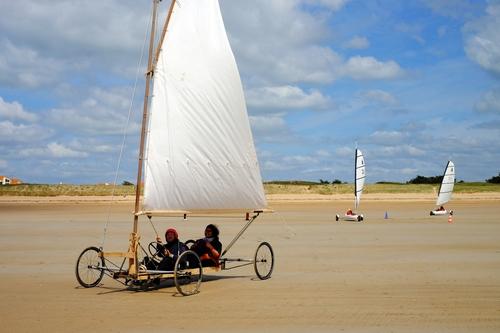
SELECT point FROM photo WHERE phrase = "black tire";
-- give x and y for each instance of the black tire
(90, 267)
(360, 218)
(337, 217)
(188, 273)
(264, 261)
(431, 213)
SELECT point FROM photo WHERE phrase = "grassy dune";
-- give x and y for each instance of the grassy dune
(377, 188)
(270, 188)
(44, 190)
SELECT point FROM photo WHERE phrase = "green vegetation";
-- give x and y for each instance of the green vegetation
(281, 187)
(382, 187)
(494, 179)
(426, 180)
(50, 190)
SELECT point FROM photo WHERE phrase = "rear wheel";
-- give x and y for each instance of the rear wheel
(337, 217)
(188, 273)
(264, 261)
(90, 267)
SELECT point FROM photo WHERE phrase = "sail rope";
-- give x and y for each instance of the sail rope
(125, 129)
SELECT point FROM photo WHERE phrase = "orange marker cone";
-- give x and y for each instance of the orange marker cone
(450, 218)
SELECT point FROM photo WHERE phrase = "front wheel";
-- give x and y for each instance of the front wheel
(90, 267)
(264, 261)
(188, 273)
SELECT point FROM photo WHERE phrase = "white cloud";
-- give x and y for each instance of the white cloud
(409, 171)
(323, 153)
(400, 151)
(15, 110)
(75, 35)
(452, 8)
(368, 68)
(334, 5)
(358, 42)
(482, 40)
(344, 151)
(379, 96)
(25, 67)
(271, 128)
(273, 166)
(102, 112)
(53, 149)
(300, 159)
(10, 132)
(286, 97)
(387, 137)
(289, 47)
(490, 102)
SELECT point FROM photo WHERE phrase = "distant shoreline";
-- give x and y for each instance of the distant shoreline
(489, 196)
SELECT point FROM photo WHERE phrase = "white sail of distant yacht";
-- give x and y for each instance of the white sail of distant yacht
(359, 182)
(200, 153)
(446, 188)
(359, 177)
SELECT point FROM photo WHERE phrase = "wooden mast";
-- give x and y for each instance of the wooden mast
(149, 75)
(134, 238)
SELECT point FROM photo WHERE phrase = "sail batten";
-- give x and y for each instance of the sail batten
(200, 151)
(447, 184)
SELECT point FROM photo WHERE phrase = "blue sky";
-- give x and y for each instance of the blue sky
(413, 83)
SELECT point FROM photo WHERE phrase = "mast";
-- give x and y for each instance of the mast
(149, 76)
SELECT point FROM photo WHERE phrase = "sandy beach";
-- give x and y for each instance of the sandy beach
(408, 273)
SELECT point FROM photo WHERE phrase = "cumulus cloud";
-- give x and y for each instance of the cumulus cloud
(387, 137)
(482, 40)
(272, 128)
(451, 8)
(379, 96)
(344, 151)
(358, 42)
(334, 5)
(489, 102)
(15, 110)
(290, 46)
(403, 150)
(102, 112)
(286, 97)
(11, 132)
(53, 149)
(369, 68)
(88, 33)
(25, 67)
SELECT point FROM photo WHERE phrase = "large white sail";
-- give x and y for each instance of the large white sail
(446, 188)
(200, 151)
(359, 176)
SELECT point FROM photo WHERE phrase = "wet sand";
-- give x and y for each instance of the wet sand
(408, 273)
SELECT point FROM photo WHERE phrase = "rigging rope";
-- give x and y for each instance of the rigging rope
(125, 132)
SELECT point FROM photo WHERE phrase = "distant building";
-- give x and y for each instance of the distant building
(9, 181)
(4, 180)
